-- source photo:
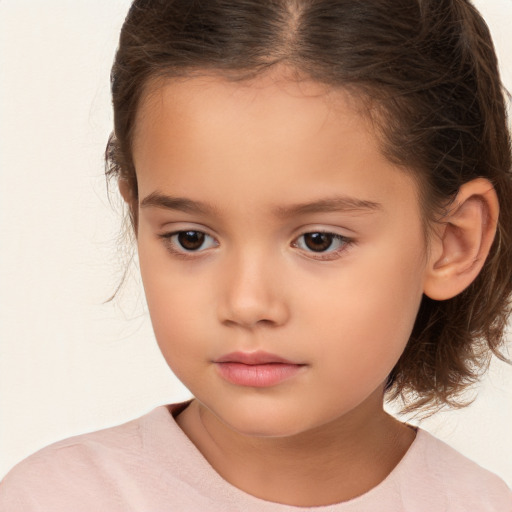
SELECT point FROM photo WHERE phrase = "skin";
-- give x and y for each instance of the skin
(250, 151)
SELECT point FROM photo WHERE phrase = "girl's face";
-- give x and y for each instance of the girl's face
(282, 255)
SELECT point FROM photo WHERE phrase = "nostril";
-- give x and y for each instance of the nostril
(248, 321)
(254, 314)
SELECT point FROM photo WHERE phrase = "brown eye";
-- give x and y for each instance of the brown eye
(191, 240)
(318, 242)
(322, 244)
(188, 242)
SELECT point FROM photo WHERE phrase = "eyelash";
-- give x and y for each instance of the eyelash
(171, 243)
(344, 242)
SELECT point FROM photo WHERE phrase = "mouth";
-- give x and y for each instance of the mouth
(256, 369)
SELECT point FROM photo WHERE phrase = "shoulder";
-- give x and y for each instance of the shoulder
(458, 482)
(83, 465)
(106, 442)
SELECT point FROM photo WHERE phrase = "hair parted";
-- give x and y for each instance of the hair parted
(429, 70)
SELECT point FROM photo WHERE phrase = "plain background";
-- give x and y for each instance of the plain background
(70, 364)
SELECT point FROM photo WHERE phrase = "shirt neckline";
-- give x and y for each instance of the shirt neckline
(170, 441)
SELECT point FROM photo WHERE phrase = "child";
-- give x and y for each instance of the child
(320, 193)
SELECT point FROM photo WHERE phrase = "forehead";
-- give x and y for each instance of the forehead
(269, 137)
(208, 98)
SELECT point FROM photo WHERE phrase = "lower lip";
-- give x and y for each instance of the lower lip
(258, 375)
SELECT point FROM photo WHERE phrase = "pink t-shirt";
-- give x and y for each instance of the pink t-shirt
(150, 465)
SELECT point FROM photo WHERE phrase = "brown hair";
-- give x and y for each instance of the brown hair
(428, 65)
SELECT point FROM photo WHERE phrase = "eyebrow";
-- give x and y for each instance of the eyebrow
(332, 204)
(158, 200)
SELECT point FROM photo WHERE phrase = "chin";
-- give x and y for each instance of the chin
(263, 424)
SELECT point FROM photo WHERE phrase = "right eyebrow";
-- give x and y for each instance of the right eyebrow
(159, 200)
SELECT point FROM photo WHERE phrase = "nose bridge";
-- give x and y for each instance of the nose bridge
(251, 292)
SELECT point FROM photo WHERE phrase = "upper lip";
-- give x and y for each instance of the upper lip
(253, 358)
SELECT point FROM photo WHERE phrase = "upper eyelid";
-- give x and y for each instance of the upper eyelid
(334, 234)
(302, 232)
(297, 233)
(169, 232)
(311, 227)
(176, 227)
(333, 229)
(325, 231)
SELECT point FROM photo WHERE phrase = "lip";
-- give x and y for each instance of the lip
(256, 369)
(253, 358)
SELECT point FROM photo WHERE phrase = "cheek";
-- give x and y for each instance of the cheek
(370, 313)
(180, 335)
(175, 302)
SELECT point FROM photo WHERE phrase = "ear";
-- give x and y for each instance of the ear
(125, 190)
(127, 193)
(462, 241)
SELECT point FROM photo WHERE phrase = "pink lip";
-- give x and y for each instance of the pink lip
(256, 369)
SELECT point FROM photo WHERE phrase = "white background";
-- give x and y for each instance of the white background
(69, 363)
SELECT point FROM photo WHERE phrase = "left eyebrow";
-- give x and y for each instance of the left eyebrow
(332, 204)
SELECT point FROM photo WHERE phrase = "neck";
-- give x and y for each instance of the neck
(355, 453)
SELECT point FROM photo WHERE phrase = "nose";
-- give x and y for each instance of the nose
(251, 293)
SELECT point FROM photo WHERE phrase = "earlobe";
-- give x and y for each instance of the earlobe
(463, 241)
